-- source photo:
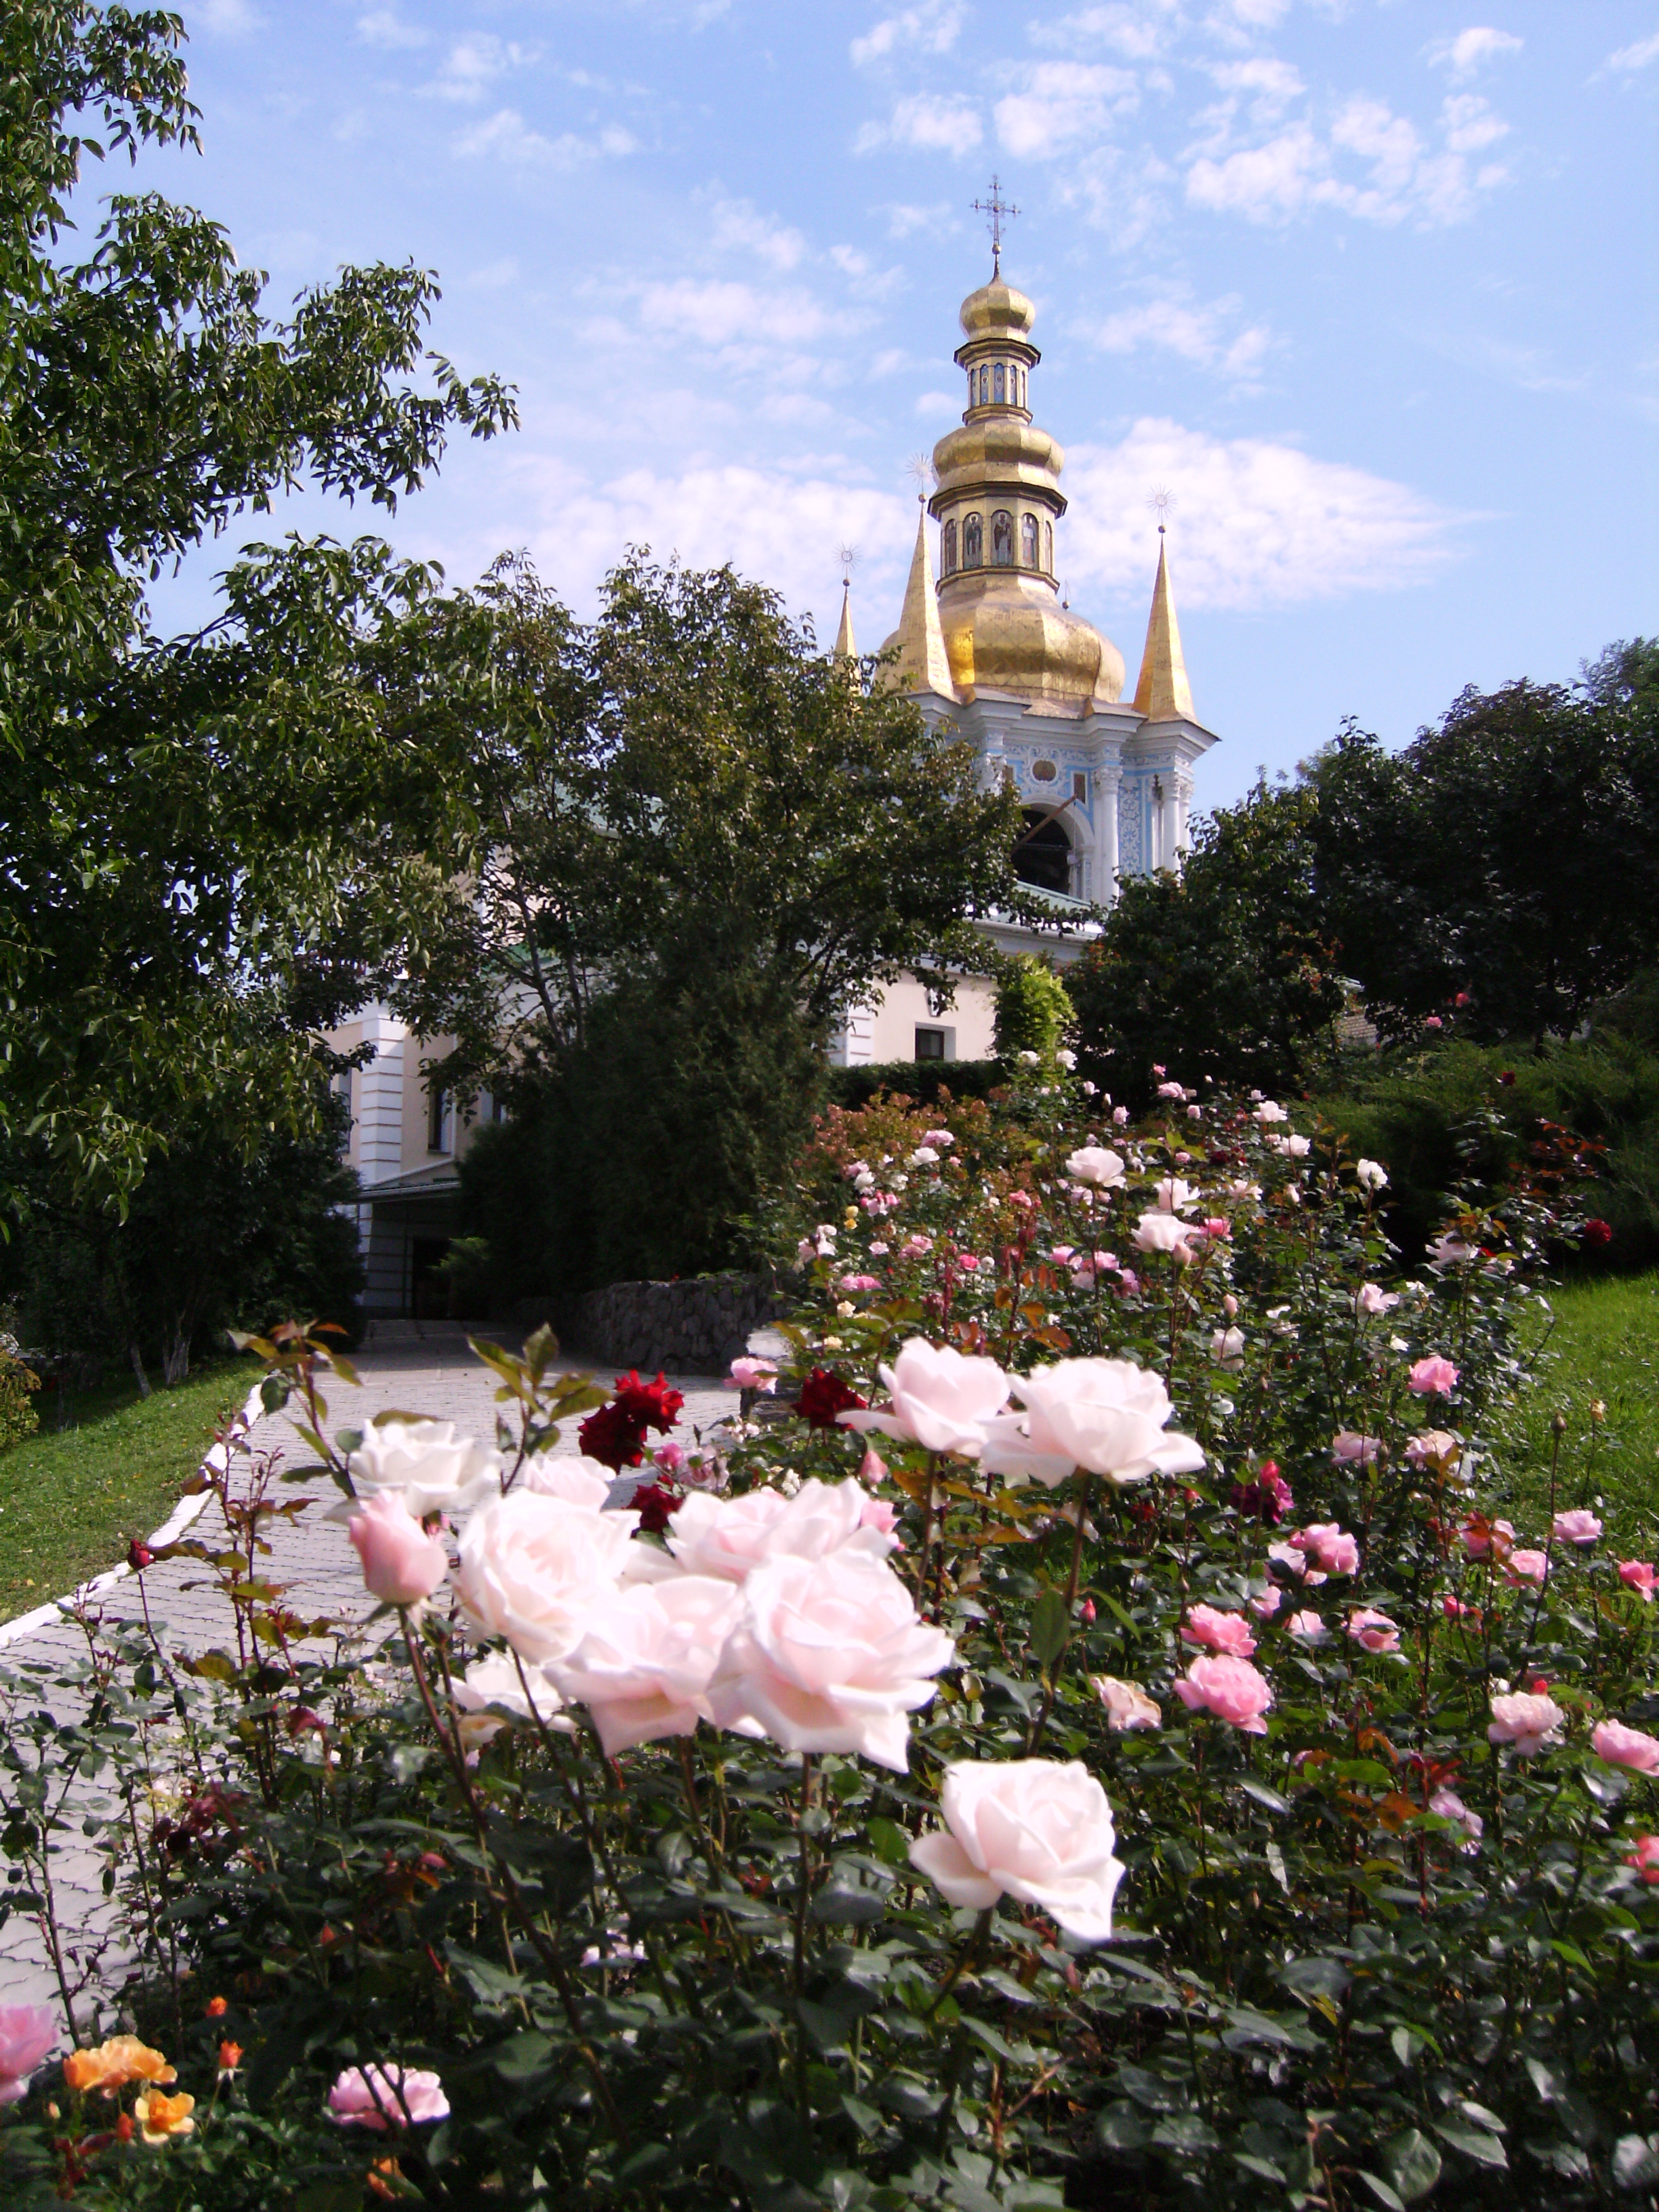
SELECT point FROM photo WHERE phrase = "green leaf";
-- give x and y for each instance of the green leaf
(523, 2057)
(1474, 2143)
(1636, 2161)
(1051, 1627)
(1412, 2164)
(1381, 2190)
(888, 1840)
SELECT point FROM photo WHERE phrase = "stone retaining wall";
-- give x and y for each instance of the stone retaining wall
(698, 1326)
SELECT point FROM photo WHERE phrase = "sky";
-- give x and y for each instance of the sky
(1369, 288)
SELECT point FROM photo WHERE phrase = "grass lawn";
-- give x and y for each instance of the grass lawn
(72, 1499)
(1605, 1348)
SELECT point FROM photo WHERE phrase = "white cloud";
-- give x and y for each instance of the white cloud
(473, 64)
(1629, 59)
(1261, 523)
(725, 314)
(493, 276)
(1471, 50)
(938, 406)
(508, 137)
(932, 123)
(227, 19)
(1271, 86)
(1469, 124)
(938, 219)
(383, 28)
(1140, 34)
(1205, 333)
(1062, 101)
(931, 28)
(1267, 184)
(740, 227)
(1121, 192)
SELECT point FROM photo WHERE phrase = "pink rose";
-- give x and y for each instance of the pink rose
(1229, 1688)
(1373, 1630)
(1455, 1609)
(1308, 1628)
(1127, 1705)
(1482, 1537)
(828, 1655)
(942, 1137)
(1329, 1546)
(1451, 1807)
(941, 1399)
(873, 1467)
(1579, 1526)
(1429, 1376)
(862, 1282)
(1527, 1719)
(1265, 1607)
(1120, 1116)
(28, 2033)
(533, 1567)
(881, 1515)
(1433, 1447)
(1372, 1298)
(729, 1537)
(1096, 1166)
(1526, 1567)
(493, 1687)
(1291, 1556)
(1625, 1746)
(646, 1658)
(402, 1564)
(1106, 1415)
(1645, 1858)
(431, 1464)
(1164, 1232)
(1639, 1576)
(1029, 1828)
(753, 1375)
(1218, 1631)
(1172, 1195)
(386, 2097)
(1348, 1449)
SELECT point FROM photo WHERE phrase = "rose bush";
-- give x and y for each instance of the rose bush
(1144, 1778)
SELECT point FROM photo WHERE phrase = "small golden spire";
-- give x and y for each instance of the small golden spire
(846, 647)
(1164, 694)
(923, 664)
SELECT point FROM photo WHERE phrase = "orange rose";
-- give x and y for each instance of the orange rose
(230, 2057)
(161, 2116)
(122, 2059)
(218, 2008)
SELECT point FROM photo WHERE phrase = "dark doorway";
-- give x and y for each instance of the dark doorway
(429, 1290)
(1043, 857)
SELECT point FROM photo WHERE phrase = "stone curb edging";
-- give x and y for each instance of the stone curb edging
(187, 1511)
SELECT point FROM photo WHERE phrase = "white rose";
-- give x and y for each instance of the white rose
(941, 1399)
(729, 1537)
(491, 1687)
(1227, 1346)
(1106, 1415)
(1028, 1828)
(828, 1655)
(923, 1157)
(1127, 1705)
(437, 1468)
(578, 1481)
(1268, 1110)
(1370, 1174)
(1095, 1165)
(1174, 1196)
(1163, 1232)
(533, 1568)
(1067, 1061)
(646, 1658)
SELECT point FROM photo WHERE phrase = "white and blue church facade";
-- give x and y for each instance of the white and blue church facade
(990, 649)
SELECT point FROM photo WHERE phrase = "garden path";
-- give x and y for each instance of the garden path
(421, 1367)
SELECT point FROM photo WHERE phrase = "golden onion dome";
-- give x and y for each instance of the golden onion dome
(997, 311)
(1009, 634)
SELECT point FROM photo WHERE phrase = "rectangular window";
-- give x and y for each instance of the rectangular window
(930, 1044)
(440, 1122)
(1080, 789)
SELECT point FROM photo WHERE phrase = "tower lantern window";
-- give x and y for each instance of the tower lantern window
(948, 549)
(1002, 538)
(1028, 541)
(973, 542)
(1001, 383)
(1049, 547)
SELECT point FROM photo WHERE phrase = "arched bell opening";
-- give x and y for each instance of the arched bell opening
(1042, 852)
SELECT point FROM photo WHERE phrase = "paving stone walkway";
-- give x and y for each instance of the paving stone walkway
(421, 1368)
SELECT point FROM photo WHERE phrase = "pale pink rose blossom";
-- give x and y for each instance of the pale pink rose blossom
(873, 1467)
(941, 1399)
(1308, 1628)
(671, 1458)
(1625, 1746)
(1291, 1556)
(379, 2098)
(941, 1138)
(1105, 1415)
(1172, 1195)
(1213, 1630)
(1120, 1115)
(1269, 1110)
(1432, 1446)
(1432, 1376)
(1373, 1630)
(1227, 1347)
(493, 1687)
(1170, 1090)
(1028, 1828)
(431, 1464)
(881, 1515)
(1350, 1448)
(1372, 1298)
(1576, 1526)
(860, 1283)
(1645, 1859)
(1449, 1250)
(1218, 1228)
(1640, 1577)
(1164, 1232)
(1330, 1548)
(1127, 1705)
(1451, 1807)
(1495, 1535)
(1526, 1567)
(585, 1482)
(749, 1374)
(730, 1537)
(1370, 1174)
(1527, 1719)
(828, 1655)
(402, 1564)
(533, 1568)
(1265, 1607)
(1228, 1687)
(1095, 1165)
(1455, 1609)
(28, 2033)
(646, 1658)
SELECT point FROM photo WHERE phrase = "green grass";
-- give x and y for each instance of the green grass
(1605, 1350)
(72, 1499)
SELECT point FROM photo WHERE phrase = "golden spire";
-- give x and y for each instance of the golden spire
(922, 665)
(1164, 694)
(846, 649)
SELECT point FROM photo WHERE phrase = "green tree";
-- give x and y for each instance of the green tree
(1224, 971)
(1034, 1010)
(179, 906)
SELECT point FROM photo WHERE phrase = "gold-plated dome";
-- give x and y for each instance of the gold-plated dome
(1009, 633)
(996, 310)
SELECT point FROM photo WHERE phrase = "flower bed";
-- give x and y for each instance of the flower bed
(1082, 1734)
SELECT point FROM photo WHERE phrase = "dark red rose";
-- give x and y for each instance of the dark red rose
(655, 1502)
(1598, 1234)
(1268, 1499)
(1507, 1078)
(139, 1556)
(616, 1435)
(825, 1393)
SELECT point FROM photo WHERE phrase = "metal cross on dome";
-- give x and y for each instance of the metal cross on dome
(999, 210)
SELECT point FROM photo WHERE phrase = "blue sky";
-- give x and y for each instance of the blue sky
(1369, 287)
